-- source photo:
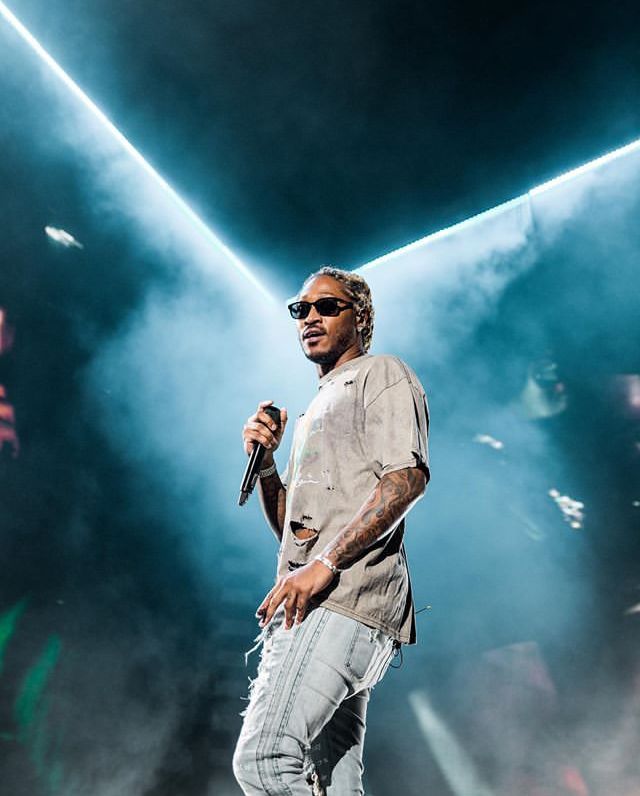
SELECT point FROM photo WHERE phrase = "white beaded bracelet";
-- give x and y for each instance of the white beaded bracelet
(324, 560)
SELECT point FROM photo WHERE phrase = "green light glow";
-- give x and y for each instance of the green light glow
(29, 698)
(8, 623)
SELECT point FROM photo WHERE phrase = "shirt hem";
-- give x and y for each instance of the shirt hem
(415, 461)
(403, 638)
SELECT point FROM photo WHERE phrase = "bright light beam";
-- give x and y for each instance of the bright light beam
(634, 146)
(75, 89)
(454, 762)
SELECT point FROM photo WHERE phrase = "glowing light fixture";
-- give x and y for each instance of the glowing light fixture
(75, 89)
(634, 146)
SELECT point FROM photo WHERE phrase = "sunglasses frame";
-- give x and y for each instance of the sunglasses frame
(309, 304)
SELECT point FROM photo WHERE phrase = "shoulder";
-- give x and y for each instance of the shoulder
(389, 368)
(383, 371)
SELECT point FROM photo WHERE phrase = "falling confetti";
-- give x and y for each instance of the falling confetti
(62, 237)
(572, 510)
(485, 439)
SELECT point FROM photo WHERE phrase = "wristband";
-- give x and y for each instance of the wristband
(324, 560)
(267, 471)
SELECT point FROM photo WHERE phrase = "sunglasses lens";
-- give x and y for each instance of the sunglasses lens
(327, 306)
(299, 309)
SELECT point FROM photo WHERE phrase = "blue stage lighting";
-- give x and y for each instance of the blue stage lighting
(184, 208)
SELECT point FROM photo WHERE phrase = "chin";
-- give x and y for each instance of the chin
(321, 358)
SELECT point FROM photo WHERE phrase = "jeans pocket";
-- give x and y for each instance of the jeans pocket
(368, 654)
(359, 649)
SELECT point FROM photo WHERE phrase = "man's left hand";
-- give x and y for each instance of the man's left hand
(295, 590)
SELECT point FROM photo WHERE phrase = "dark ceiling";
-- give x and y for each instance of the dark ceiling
(335, 131)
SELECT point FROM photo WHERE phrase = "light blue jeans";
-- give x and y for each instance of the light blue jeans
(308, 704)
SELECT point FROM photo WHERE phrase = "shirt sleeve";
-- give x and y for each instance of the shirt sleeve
(397, 424)
(284, 476)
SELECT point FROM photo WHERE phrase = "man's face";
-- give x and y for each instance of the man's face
(325, 338)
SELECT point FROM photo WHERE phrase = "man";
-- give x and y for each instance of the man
(342, 604)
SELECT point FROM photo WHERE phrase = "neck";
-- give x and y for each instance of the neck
(351, 353)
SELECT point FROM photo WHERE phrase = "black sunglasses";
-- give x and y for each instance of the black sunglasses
(325, 306)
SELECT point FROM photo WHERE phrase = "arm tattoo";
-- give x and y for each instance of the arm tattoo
(273, 498)
(387, 503)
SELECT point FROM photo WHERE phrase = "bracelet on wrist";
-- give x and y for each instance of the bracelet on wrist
(324, 560)
(267, 471)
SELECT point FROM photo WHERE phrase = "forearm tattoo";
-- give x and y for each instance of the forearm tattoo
(273, 498)
(388, 502)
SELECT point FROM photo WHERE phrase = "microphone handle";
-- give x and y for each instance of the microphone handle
(255, 461)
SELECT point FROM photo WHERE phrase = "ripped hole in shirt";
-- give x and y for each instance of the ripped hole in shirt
(301, 533)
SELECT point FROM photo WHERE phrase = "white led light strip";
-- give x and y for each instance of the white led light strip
(634, 146)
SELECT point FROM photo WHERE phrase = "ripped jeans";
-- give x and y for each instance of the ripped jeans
(303, 729)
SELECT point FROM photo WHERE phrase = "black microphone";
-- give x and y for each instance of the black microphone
(255, 460)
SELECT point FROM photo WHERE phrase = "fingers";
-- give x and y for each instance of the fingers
(271, 605)
(301, 610)
(264, 604)
(254, 431)
(262, 608)
(266, 420)
(295, 590)
(295, 604)
(290, 602)
(294, 607)
(261, 429)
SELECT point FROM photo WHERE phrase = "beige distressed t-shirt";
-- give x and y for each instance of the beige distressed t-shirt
(370, 417)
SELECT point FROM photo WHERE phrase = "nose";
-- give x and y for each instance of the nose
(312, 321)
(312, 317)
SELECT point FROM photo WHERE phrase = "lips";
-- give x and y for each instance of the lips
(311, 334)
